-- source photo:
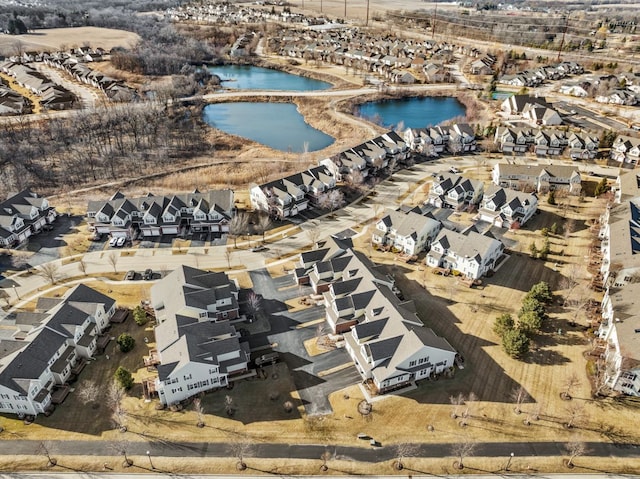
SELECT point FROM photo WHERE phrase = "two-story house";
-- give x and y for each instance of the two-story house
(469, 252)
(409, 233)
(538, 178)
(507, 208)
(626, 149)
(153, 215)
(44, 354)
(388, 343)
(197, 346)
(450, 190)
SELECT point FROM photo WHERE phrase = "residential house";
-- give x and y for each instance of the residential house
(39, 360)
(409, 233)
(507, 208)
(152, 215)
(583, 146)
(389, 345)
(626, 149)
(450, 190)
(538, 178)
(22, 215)
(197, 348)
(549, 142)
(469, 252)
(462, 138)
(513, 140)
(286, 197)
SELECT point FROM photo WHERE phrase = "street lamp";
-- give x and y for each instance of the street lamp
(509, 461)
(15, 290)
(150, 463)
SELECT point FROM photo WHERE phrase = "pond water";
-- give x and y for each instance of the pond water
(413, 112)
(247, 77)
(277, 125)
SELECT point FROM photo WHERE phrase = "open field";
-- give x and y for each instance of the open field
(54, 38)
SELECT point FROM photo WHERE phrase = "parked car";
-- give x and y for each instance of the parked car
(113, 241)
(131, 275)
(121, 241)
(148, 274)
(256, 249)
(454, 170)
(267, 358)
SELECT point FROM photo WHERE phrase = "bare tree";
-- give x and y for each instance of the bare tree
(519, 395)
(355, 180)
(49, 271)
(228, 405)
(112, 259)
(575, 414)
(19, 259)
(404, 450)
(44, 449)
(575, 449)
(228, 253)
(570, 382)
(82, 266)
(199, 410)
(313, 233)
(378, 210)
(254, 304)
(115, 395)
(471, 398)
(241, 447)
(325, 457)
(237, 226)
(456, 402)
(461, 449)
(264, 223)
(121, 446)
(331, 200)
(89, 393)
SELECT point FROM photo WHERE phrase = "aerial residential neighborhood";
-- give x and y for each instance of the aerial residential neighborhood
(311, 238)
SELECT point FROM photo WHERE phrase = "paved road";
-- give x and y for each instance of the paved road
(149, 474)
(358, 452)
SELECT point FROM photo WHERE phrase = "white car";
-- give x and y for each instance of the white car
(121, 241)
(113, 241)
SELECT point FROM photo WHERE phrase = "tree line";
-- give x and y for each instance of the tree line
(105, 144)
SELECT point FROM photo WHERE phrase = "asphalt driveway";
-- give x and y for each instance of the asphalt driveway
(313, 376)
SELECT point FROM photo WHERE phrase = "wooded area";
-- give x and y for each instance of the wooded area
(96, 145)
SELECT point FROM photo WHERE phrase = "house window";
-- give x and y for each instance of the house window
(412, 363)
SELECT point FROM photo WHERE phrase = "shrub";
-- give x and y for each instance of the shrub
(540, 291)
(140, 316)
(515, 343)
(529, 322)
(126, 342)
(503, 323)
(123, 377)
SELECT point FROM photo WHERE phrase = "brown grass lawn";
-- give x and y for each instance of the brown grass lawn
(463, 316)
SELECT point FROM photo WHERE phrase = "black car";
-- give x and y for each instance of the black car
(148, 274)
(131, 275)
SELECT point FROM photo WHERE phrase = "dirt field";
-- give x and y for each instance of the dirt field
(53, 39)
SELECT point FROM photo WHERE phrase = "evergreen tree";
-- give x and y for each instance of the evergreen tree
(515, 343)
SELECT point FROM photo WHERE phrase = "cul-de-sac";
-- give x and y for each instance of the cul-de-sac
(319, 237)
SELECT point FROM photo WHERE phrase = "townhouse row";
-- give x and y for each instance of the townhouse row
(388, 343)
(537, 76)
(22, 215)
(535, 110)
(52, 96)
(41, 351)
(197, 347)
(619, 332)
(546, 142)
(152, 215)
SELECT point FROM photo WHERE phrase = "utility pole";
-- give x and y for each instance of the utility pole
(367, 22)
(345, 9)
(433, 21)
(564, 32)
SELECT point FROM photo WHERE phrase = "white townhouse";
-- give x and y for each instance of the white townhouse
(469, 252)
(198, 349)
(626, 149)
(507, 208)
(450, 190)
(538, 178)
(153, 215)
(23, 214)
(44, 354)
(388, 343)
(409, 233)
(286, 197)
(620, 330)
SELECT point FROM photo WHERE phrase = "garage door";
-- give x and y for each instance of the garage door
(169, 230)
